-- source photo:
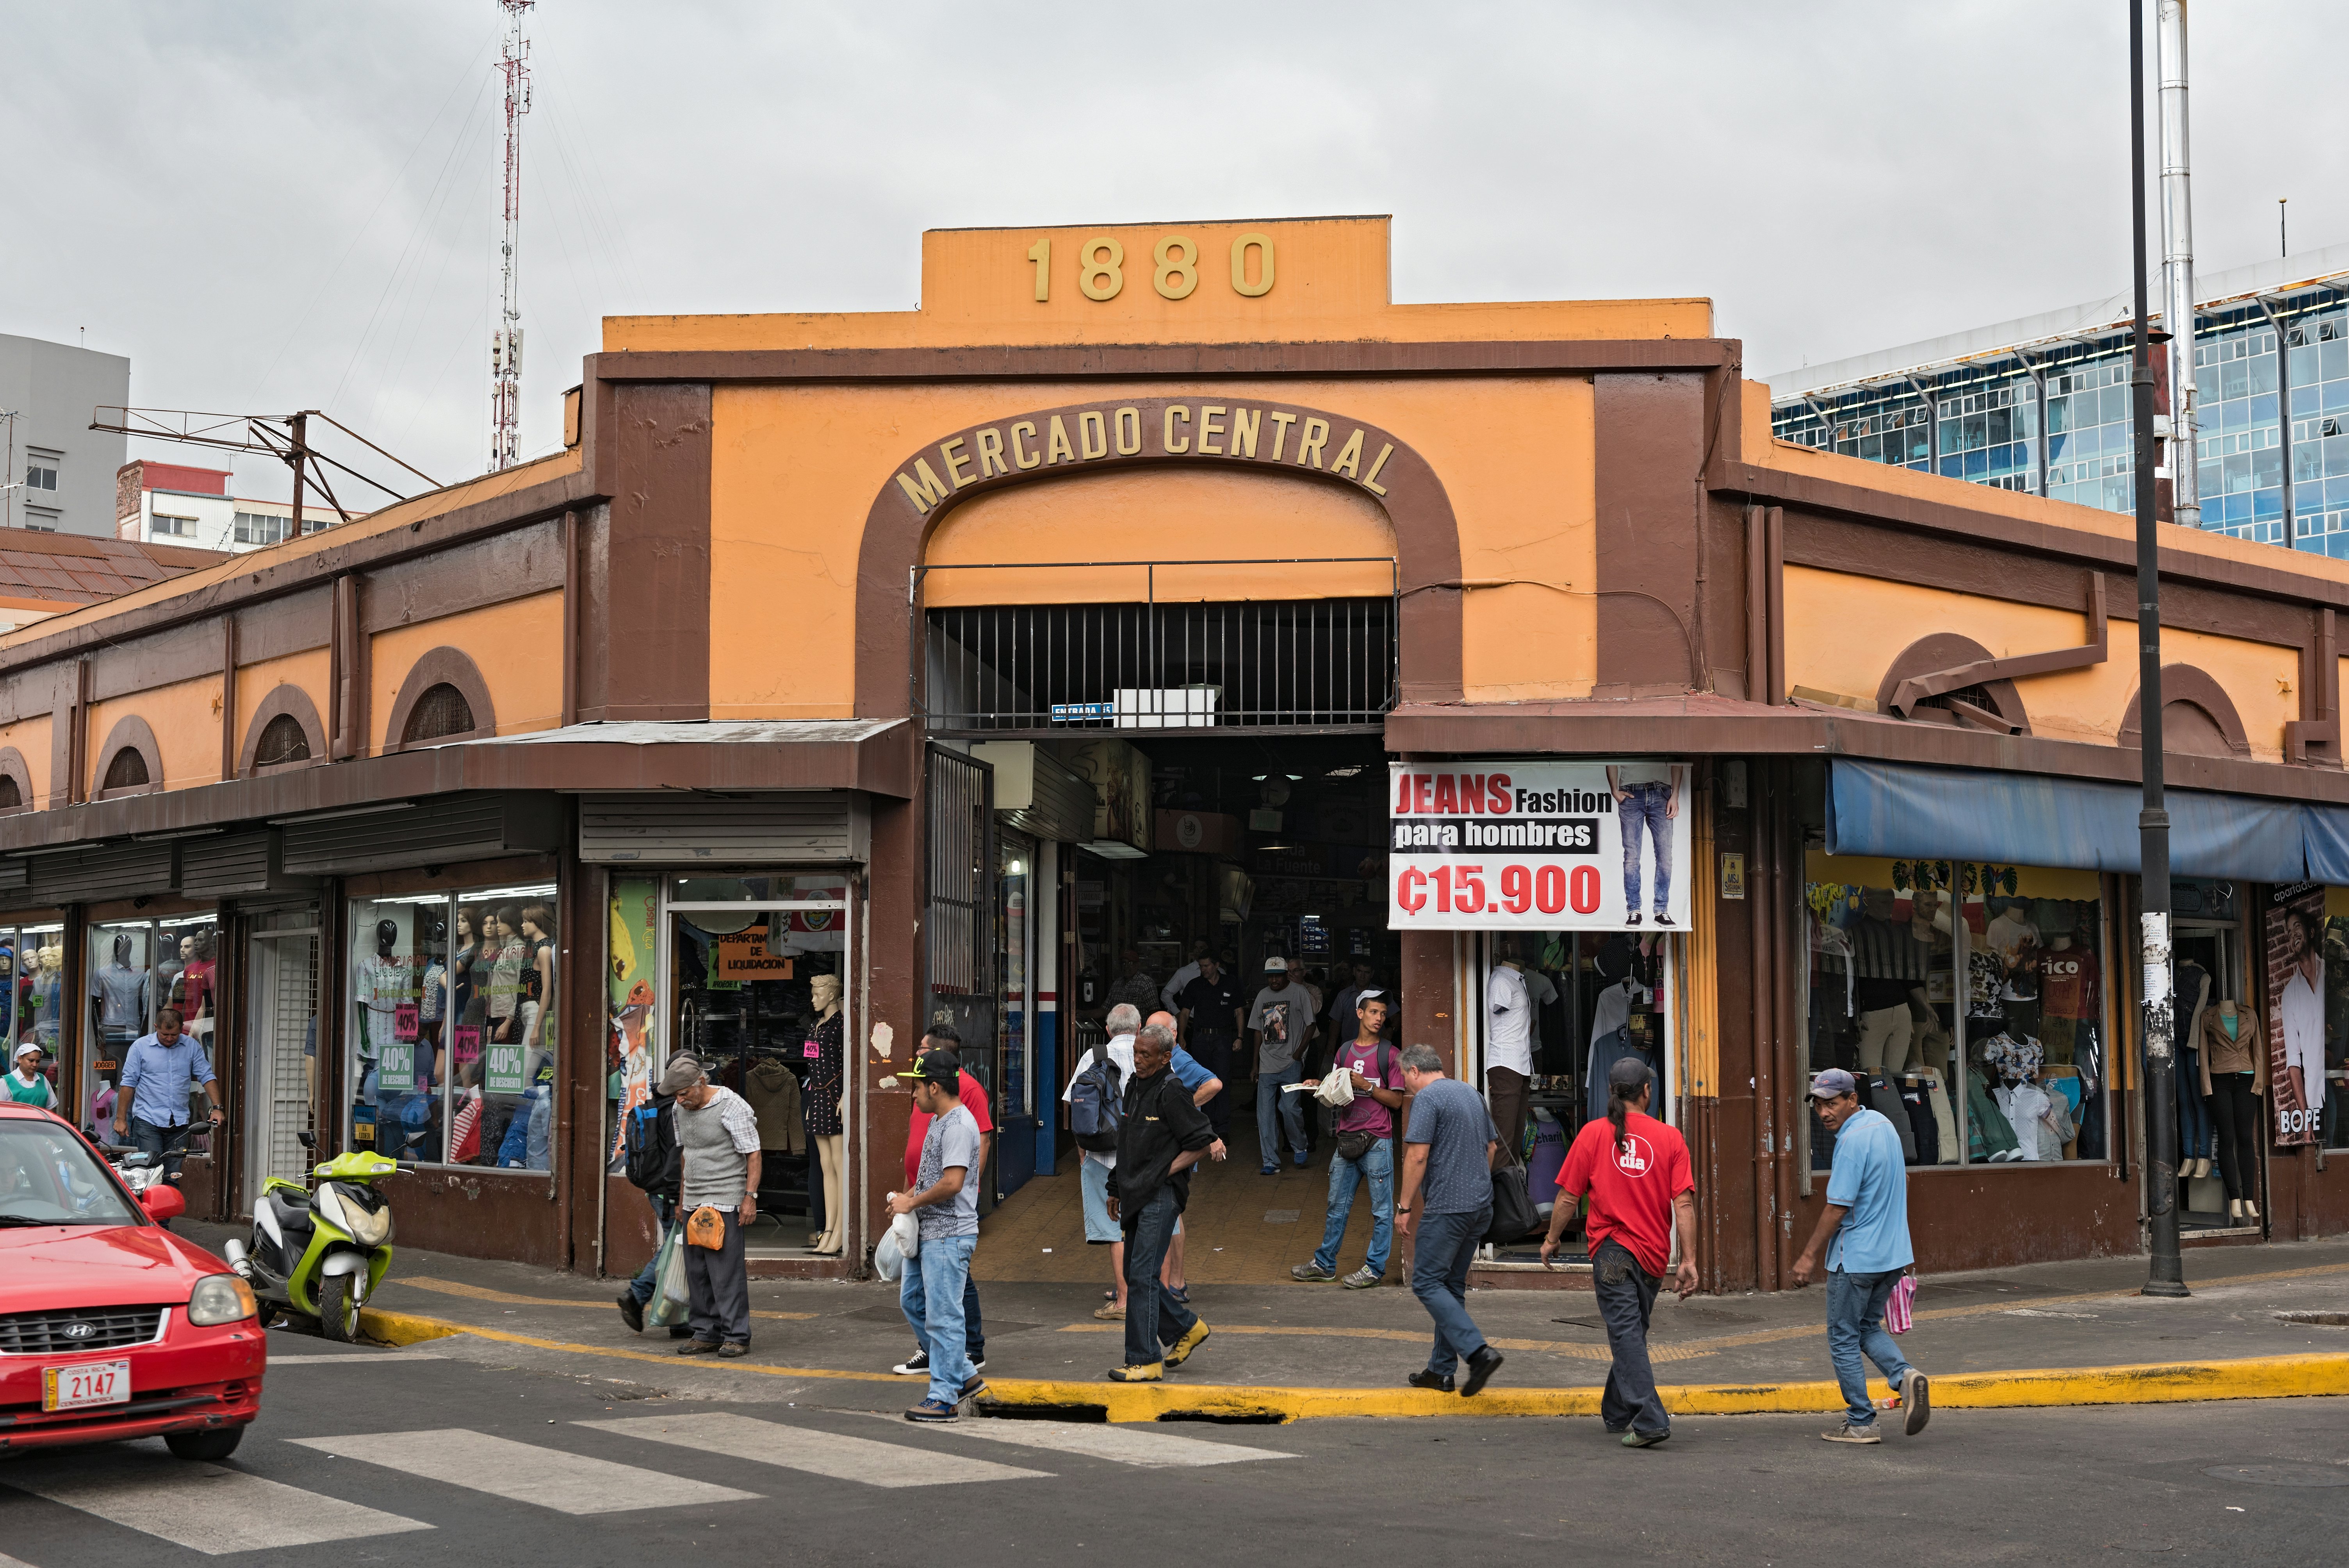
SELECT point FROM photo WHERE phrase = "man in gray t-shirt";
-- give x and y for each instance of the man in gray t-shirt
(946, 1206)
(1448, 1155)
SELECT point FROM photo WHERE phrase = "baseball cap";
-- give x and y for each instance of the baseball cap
(1631, 1072)
(936, 1067)
(1832, 1082)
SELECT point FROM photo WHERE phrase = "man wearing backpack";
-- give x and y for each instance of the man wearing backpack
(1365, 1150)
(1095, 1092)
(655, 1164)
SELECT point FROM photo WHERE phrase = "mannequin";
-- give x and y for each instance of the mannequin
(826, 1109)
(2235, 1079)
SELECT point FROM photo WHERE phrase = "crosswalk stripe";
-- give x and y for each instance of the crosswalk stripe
(349, 1356)
(201, 1507)
(795, 1448)
(524, 1472)
(1150, 1451)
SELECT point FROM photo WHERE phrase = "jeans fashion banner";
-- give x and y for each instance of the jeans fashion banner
(1538, 844)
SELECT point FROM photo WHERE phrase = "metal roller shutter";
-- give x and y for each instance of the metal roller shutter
(434, 832)
(785, 827)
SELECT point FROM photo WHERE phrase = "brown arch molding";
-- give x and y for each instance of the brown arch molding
(1949, 651)
(2194, 687)
(1242, 432)
(12, 765)
(285, 700)
(132, 731)
(457, 668)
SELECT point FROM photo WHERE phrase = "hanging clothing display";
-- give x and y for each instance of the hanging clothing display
(773, 1092)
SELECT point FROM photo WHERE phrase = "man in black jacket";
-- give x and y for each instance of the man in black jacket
(1160, 1136)
(655, 1163)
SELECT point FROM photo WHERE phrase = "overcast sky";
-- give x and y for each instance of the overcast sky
(277, 205)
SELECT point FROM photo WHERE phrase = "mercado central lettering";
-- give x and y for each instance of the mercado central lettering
(1150, 430)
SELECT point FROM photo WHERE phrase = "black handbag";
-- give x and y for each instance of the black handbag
(1514, 1216)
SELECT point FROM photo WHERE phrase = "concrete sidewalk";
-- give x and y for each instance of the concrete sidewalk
(2051, 1333)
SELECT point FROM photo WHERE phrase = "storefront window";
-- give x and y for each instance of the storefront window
(451, 1026)
(32, 961)
(1969, 1001)
(756, 991)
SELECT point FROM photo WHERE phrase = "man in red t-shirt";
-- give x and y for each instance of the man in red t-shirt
(1636, 1170)
(945, 1037)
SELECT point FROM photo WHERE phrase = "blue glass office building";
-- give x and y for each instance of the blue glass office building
(2041, 406)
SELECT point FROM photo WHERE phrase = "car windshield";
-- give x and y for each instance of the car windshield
(49, 1176)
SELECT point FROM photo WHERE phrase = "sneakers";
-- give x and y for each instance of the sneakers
(935, 1412)
(1638, 1439)
(734, 1348)
(1848, 1433)
(917, 1365)
(1428, 1377)
(1153, 1373)
(1480, 1368)
(1917, 1397)
(1361, 1279)
(1110, 1312)
(1187, 1344)
(698, 1347)
(632, 1311)
(1312, 1272)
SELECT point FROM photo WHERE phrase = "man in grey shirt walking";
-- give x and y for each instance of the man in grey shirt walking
(946, 1203)
(717, 1134)
(1282, 1019)
(1447, 1172)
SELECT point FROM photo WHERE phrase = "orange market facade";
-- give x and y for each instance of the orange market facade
(954, 653)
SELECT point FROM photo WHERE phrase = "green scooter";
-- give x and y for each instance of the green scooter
(322, 1252)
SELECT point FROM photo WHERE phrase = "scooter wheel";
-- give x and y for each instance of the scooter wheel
(338, 1308)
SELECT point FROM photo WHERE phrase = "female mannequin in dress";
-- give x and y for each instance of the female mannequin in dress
(826, 1103)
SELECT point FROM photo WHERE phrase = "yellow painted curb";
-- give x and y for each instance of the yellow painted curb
(2160, 1383)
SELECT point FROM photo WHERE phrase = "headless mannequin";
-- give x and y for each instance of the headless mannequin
(823, 993)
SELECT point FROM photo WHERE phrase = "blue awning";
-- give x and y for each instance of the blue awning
(2023, 819)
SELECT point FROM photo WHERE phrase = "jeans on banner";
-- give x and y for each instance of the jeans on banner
(1642, 813)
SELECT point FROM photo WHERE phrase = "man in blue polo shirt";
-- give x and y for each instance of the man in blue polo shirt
(158, 1076)
(1865, 1235)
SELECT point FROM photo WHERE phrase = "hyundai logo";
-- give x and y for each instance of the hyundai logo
(80, 1330)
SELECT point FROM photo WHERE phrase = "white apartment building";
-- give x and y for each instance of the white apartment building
(177, 504)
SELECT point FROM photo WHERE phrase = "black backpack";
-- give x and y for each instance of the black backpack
(649, 1148)
(1095, 1105)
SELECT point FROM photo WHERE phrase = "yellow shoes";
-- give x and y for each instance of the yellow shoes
(1153, 1373)
(1187, 1344)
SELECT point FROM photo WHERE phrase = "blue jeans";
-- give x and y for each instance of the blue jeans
(1645, 811)
(1345, 1175)
(167, 1143)
(1276, 1110)
(1439, 1277)
(931, 1297)
(1154, 1319)
(664, 1213)
(1856, 1324)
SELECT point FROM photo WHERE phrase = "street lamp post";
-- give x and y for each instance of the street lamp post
(2166, 1270)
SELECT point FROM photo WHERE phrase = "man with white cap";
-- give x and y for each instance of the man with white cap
(27, 1085)
(1864, 1235)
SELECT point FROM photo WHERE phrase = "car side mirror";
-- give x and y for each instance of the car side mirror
(163, 1202)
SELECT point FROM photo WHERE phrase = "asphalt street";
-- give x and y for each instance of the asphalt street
(369, 1454)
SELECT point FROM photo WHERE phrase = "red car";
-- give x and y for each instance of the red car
(111, 1326)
